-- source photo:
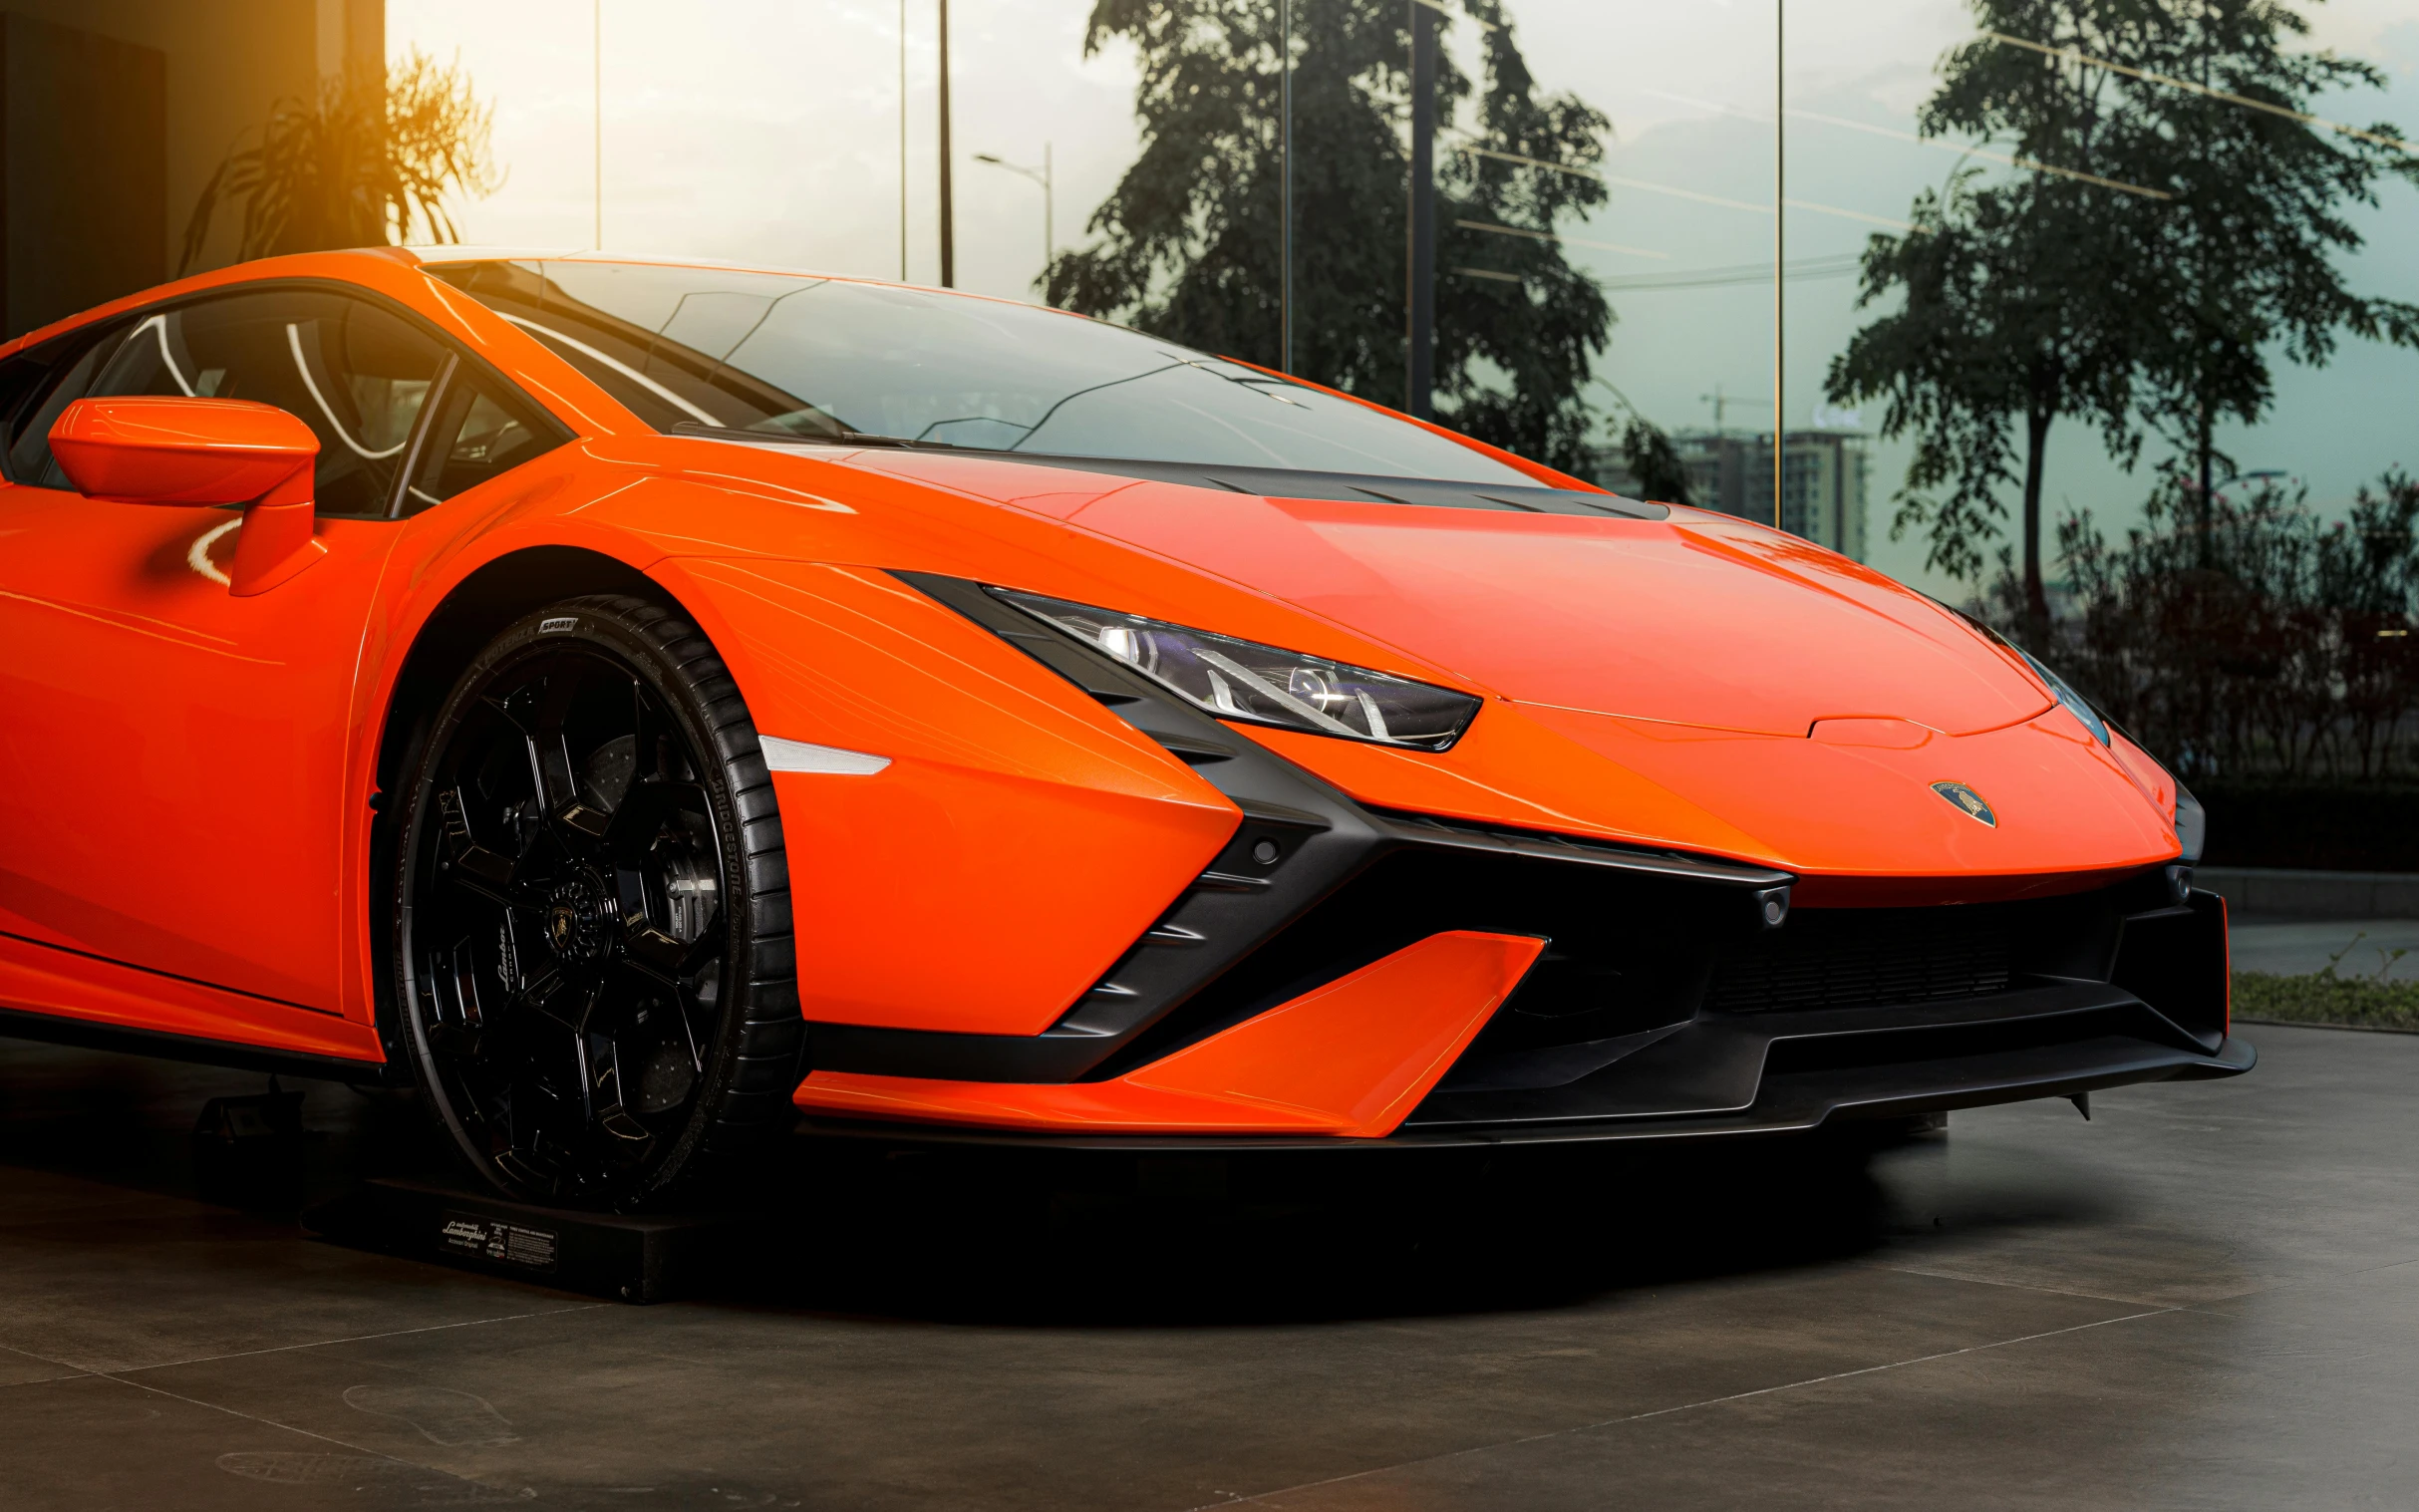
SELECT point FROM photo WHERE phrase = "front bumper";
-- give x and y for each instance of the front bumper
(1342, 976)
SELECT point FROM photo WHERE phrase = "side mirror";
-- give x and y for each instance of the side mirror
(202, 454)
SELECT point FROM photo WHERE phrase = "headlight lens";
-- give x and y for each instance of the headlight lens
(2192, 826)
(2073, 701)
(1262, 685)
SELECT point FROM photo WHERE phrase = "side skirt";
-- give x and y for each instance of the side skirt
(83, 1034)
(66, 997)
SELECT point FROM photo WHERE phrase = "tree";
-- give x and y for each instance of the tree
(2155, 238)
(1654, 464)
(1188, 244)
(2019, 300)
(360, 166)
(2254, 247)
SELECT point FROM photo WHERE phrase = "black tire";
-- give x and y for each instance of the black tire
(588, 841)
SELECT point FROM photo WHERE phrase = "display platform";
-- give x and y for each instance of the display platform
(648, 1257)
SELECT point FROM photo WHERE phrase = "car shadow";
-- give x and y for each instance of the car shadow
(1051, 1238)
(1027, 1237)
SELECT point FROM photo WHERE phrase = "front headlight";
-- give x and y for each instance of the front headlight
(2192, 826)
(2074, 702)
(1262, 685)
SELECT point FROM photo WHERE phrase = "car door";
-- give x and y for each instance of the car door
(171, 757)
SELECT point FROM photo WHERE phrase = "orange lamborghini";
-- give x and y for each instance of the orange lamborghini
(625, 698)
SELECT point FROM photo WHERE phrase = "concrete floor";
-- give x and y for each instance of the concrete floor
(2206, 1298)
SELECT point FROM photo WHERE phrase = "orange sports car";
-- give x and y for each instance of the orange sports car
(627, 698)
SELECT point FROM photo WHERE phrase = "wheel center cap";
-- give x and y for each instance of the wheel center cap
(576, 918)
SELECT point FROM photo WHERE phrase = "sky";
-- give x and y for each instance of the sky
(769, 131)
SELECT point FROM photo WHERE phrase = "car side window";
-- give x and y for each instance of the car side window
(357, 375)
(39, 384)
(480, 431)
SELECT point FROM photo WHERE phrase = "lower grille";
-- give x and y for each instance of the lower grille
(1835, 958)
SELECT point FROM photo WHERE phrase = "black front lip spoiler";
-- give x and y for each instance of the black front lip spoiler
(1788, 1104)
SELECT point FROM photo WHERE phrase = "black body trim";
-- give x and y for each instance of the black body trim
(56, 1028)
(1794, 1105)
(1265, 482)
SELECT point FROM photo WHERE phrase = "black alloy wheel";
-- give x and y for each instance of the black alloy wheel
(595, 972)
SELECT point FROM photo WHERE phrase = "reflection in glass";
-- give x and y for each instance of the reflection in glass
(834, 359)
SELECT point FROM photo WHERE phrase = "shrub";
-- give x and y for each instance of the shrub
(2251, 641)
(2357, 1001)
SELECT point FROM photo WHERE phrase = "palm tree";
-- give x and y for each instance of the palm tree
(361, 165)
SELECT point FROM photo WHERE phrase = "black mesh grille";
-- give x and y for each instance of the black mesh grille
(1835, 958)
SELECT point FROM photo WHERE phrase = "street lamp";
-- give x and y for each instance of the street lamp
(1042, 177)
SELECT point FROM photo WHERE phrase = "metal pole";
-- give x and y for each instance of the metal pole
(949, 229)
(1284, 209)
(1421, 375)
(596, 59)
(1049, 214)
(1780, 246)
(902, 140)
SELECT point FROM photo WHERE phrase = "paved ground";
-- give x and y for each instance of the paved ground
(2360, 947)
(2208, 1296)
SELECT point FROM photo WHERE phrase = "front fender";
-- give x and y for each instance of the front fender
(1019, 840)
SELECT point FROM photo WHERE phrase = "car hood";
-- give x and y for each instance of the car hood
(1700, 619)
(1696, 682)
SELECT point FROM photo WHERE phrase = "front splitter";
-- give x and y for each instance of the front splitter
(1786, 1105)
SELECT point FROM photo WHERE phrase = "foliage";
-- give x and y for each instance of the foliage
(2355, 1002)
(1990, 332)
(360, 166)
(1187, 246)
(2266, 644)
(2155, 244)
(2249, 258)
(1654, 464)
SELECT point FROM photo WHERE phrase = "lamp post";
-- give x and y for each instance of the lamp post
(948, 209)
(1421, 296)
(1780, 247)
(1042, 177)
(596, 63)
(1285, 195)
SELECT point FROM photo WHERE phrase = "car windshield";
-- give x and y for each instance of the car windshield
(803, 358)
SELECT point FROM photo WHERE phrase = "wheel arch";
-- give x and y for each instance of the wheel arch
(470, 614)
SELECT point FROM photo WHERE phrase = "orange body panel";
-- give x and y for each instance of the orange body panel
(42, 980)
(1016, 843)
(186, 776)
(173, 767)
(1350, 1058)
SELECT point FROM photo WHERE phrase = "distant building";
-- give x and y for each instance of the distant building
(1824, 477)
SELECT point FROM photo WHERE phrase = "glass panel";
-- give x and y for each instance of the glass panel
(480, 432)
(356, 375)
(1681, 245)
(835, 360)
(74, 359)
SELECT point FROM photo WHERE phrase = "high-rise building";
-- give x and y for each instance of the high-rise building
(1823, 481)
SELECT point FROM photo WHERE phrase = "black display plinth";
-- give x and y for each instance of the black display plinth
(647, 1257)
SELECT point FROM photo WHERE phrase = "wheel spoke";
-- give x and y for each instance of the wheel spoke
(706, 947)
(656, 740)
(648, 807)
(549, 744)
(658, 956)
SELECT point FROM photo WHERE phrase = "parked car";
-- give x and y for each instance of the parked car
(628, 697)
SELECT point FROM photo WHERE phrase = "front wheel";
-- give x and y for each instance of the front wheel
(595, 972)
